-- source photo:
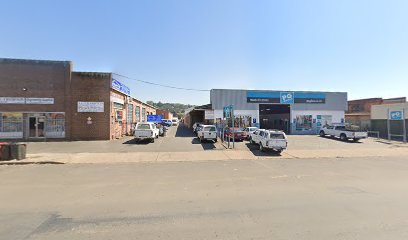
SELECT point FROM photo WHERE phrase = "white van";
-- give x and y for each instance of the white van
(207, 132)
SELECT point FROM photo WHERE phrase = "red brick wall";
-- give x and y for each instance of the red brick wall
(90, 87)
(41, 79)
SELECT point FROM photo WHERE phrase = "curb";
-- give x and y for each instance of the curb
(27, 163)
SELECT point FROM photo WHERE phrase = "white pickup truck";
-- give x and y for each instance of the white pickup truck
(342, 132)
(270, 140)
(207, 132)
(146, 130)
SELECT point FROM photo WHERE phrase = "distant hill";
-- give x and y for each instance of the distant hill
(176, 108)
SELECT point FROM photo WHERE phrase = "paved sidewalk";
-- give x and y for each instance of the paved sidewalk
(137, 157)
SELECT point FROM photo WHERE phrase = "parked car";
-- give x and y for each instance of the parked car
(146, 131)
(207, 132)
(174, 121)
(343, 133)
(274, 140)
(167, 122)
(238, 133)
(249, 131)
(255, 136)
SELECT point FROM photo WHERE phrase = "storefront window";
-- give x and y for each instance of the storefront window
(137, 110)
(11, 125)
(129, 117)
(304, 122)
(55, 125)
(119, 116)
(143, 114)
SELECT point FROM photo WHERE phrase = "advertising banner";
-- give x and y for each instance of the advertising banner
(90, 107)
(22, 100)
(154, 118)
(286, 97)
(396, 115)
(120, 87)
(209, 114)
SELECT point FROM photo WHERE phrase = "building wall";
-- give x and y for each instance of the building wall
(359, 111)
(379, 120)
(381, 111)
(90, 87)
(164, 113)
(363, 105)
(40, 79)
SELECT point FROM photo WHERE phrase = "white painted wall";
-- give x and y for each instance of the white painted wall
(381, 111)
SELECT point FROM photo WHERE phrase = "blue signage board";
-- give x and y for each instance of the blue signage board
(286, 97)
(227, 111)
(155, 118)
(396, 115)
(120, 87)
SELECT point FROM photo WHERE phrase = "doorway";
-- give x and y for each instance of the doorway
(275, 116)
(36, 126)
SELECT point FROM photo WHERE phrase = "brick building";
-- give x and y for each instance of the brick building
(47, 100)
(359, 111)
(165, 114)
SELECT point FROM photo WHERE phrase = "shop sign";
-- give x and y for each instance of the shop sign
(120, 87)
(39, 100)
(21, 100)
(117, 100)
(286, 97)
(228, 111)
(12, 100)
(396, 115)
(155, 118)
(209, 114)
(91, 107)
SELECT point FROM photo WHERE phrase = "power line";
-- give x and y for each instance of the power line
(161, 85)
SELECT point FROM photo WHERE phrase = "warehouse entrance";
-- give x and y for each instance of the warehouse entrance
(275, 116)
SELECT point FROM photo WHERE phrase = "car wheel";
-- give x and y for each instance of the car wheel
(152, 140)
(343, 137)
(278, 152)
(216, 140)
(356, 140)
(261, 148)
(251, 141)
(322, 134)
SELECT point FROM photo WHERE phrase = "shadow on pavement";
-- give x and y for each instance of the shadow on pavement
(208, 145)
(183, 131)
(254, 148)
(339, 140)
(133, 141)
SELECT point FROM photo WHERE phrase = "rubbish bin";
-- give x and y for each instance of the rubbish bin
(5, 151)
(18, 151)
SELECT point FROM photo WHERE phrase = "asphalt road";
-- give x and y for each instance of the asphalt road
(276, 199)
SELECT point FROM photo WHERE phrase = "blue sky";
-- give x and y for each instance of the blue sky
(356, 46)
